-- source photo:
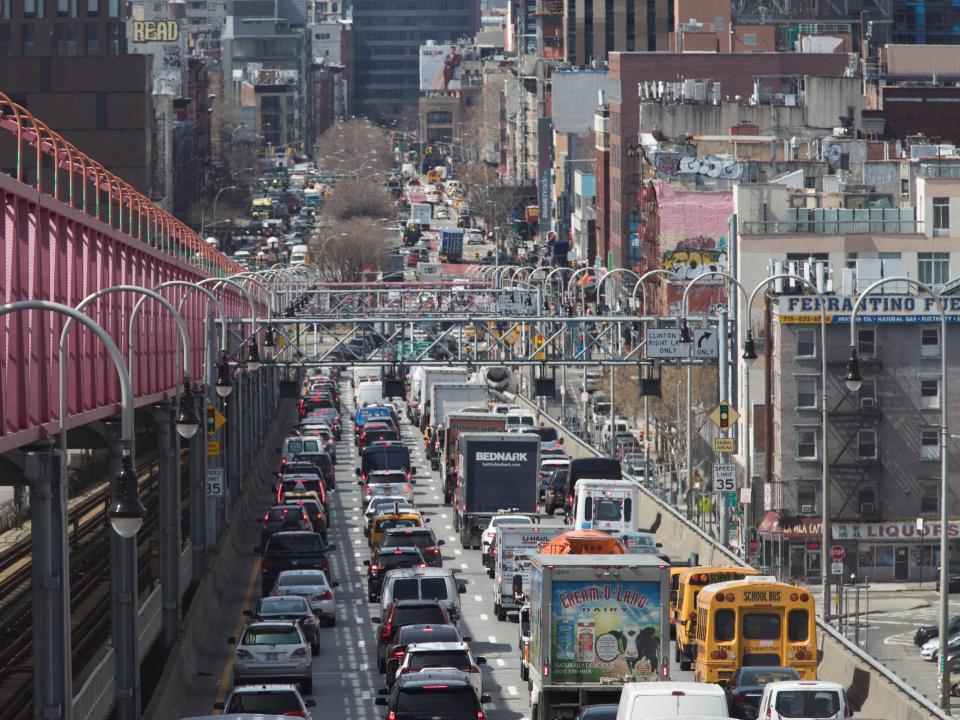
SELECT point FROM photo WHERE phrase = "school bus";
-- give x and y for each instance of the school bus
(754, 621)
(689, 583)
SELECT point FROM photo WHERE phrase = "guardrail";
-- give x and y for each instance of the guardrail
(840, 660)
(186, 568)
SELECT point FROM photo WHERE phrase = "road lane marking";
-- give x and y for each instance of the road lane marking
(237, 629)
(492, 639)
(478, 598)
(366, 695)
(501, 663)
(484, 617)
(457, 552)
(512, 690)
(463, 566)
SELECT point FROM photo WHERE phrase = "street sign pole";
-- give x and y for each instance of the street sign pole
(723, 369)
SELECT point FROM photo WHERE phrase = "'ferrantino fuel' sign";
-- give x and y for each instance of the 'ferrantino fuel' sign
(891, 531)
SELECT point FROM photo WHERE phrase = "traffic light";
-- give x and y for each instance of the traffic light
(211, 420)
(724, 416)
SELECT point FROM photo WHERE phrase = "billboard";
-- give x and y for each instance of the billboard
(163, 40)
(877, 309)
(604, 630)
(440, 67)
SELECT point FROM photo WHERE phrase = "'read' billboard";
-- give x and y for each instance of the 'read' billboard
(440, 67)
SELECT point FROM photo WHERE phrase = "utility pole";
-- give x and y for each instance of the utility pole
(724, 383)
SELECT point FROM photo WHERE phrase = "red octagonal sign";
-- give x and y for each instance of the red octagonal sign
(837, 553)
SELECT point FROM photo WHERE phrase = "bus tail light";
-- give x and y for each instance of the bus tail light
(794, 597)
(804, 597)
(730, 597)
(718, 654)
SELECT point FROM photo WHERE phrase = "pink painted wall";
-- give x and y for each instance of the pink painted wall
(693, 240)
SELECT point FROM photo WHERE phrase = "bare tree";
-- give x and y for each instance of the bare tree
(487, 198)
(358, 199)
(354, 247)
(357, 148)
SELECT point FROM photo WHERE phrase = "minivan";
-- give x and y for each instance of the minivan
(641, 700)
(424, 584)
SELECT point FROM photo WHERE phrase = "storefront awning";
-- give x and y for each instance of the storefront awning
(791, 528)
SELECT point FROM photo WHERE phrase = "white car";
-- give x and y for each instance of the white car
(273, 698)
(803, 699)
(388, 483)
(314, 587)
(931, 649)
(486, 539)
(273, 652)
(456, 655)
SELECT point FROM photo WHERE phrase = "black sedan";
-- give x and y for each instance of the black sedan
(290, 607)
(386, 560)
(926, 633)
(746, 688)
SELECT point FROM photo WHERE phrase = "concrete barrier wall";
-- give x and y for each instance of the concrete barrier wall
(871, 687)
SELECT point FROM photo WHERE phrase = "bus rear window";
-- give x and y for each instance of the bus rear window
(761, 626)
(798, 625)
(724, 625)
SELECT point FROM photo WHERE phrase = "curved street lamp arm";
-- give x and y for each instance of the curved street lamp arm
(243, 291)
(712, 273)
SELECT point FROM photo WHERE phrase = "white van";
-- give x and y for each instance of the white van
(368, 391)
(803, 699)
(642, 700)
(605, 505)
(610, 429)
(298, 254)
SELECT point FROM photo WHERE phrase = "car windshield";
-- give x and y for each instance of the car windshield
(283, 606)
(762, 676)
(306, 542)
(295, 579)
(808, 703)
(419, 615)
(418, 540)
(271, 635)
(440, 658)
(431, 700)
(266, 701)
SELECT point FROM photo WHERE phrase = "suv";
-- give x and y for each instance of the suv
(405, 612)
(411, 634)
(386, 560)
(421, 538)
(284, 517)
(424, 656)
(292, 550)
(428, 694)
(293, 608)
(272, 699)
(394, 483)
(385, 456)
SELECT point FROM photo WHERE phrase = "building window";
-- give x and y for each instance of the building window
(30, 8)
(930, 443)
(941, 216)
(29, 39)
(750, 39)
(93, 8)
(867, 499)
(113, 8)
(929, 393)
(6, 46)
(6, 10)
(65, 38)
(867, 395)
(866, 341)
(806, 343)
(930, 342)
(92, 32)
(807, 444)
(113, 39)
(66, 8)
(930, 496)
(807, 497)
(933, 268)
(806, 392)
(867, 445)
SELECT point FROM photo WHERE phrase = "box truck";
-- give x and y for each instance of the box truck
(596, 622)
(513, 547)
(457, 424)
(444, 399)
(451, 245)
(497, 472)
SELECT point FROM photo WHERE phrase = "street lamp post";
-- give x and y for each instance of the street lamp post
(853, 380)
(53, 682)
(203, 225)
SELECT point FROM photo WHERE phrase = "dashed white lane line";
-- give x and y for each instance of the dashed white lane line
(492, 639)
(359, 620)
(512, 690)
(448, 527)
(363, 668)
(478, 598)
(366, 695)
(484, 617)
(361, 643)
(444, 516)
(501, 663)
(464, 566)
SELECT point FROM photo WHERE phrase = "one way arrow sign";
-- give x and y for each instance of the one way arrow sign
(705, 344)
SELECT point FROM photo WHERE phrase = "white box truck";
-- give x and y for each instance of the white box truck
(446, 398)
(605, 505)
(513, 547)
(596, 622)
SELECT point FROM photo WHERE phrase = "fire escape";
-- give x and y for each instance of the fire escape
(855, 462)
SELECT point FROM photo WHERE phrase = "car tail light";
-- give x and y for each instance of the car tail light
(481, 715)
(244, 655)
(310, 621)
(386, 631)
(471, 668)
(299, 653)
(274, 593)
(266, 517)
(423, 565)
(325, 595)
(393, 716)
(769, 714)
(374, 567)
(295, 713)
(283, 461)
(409, 474)
(366, 490)
(794, 597)
(399, 653)
(434, 550)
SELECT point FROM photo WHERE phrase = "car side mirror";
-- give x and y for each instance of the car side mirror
(357, 472)
(219, 706)
(231, 640)
(560, 441)
(331, 546)
(462, 588)
(485, 698)
(310, 703)
(248, 613)
(375, 619)
(258, 549)
(467, 638)
(412, 481)
(360, 483)
(367, 563)
(481, 660)
(659, 544)
(383, 691)
(335, 584)
(440, 542)
(380, 701)
(426, 521)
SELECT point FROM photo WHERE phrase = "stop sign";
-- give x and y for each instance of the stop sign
(837, 553)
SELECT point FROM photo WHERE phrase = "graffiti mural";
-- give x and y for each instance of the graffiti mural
(694, 256)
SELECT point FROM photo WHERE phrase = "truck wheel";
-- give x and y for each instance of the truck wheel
(463, 538)
(524, 672)
(447, 498)
(685, 664)
(496, 608)
(676, 653)
(501, 614)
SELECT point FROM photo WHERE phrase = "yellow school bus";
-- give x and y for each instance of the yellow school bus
(689, 583)
(754, 621)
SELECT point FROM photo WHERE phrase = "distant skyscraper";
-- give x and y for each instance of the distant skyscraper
(595, 28)
(926, 22)
(387, 39)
